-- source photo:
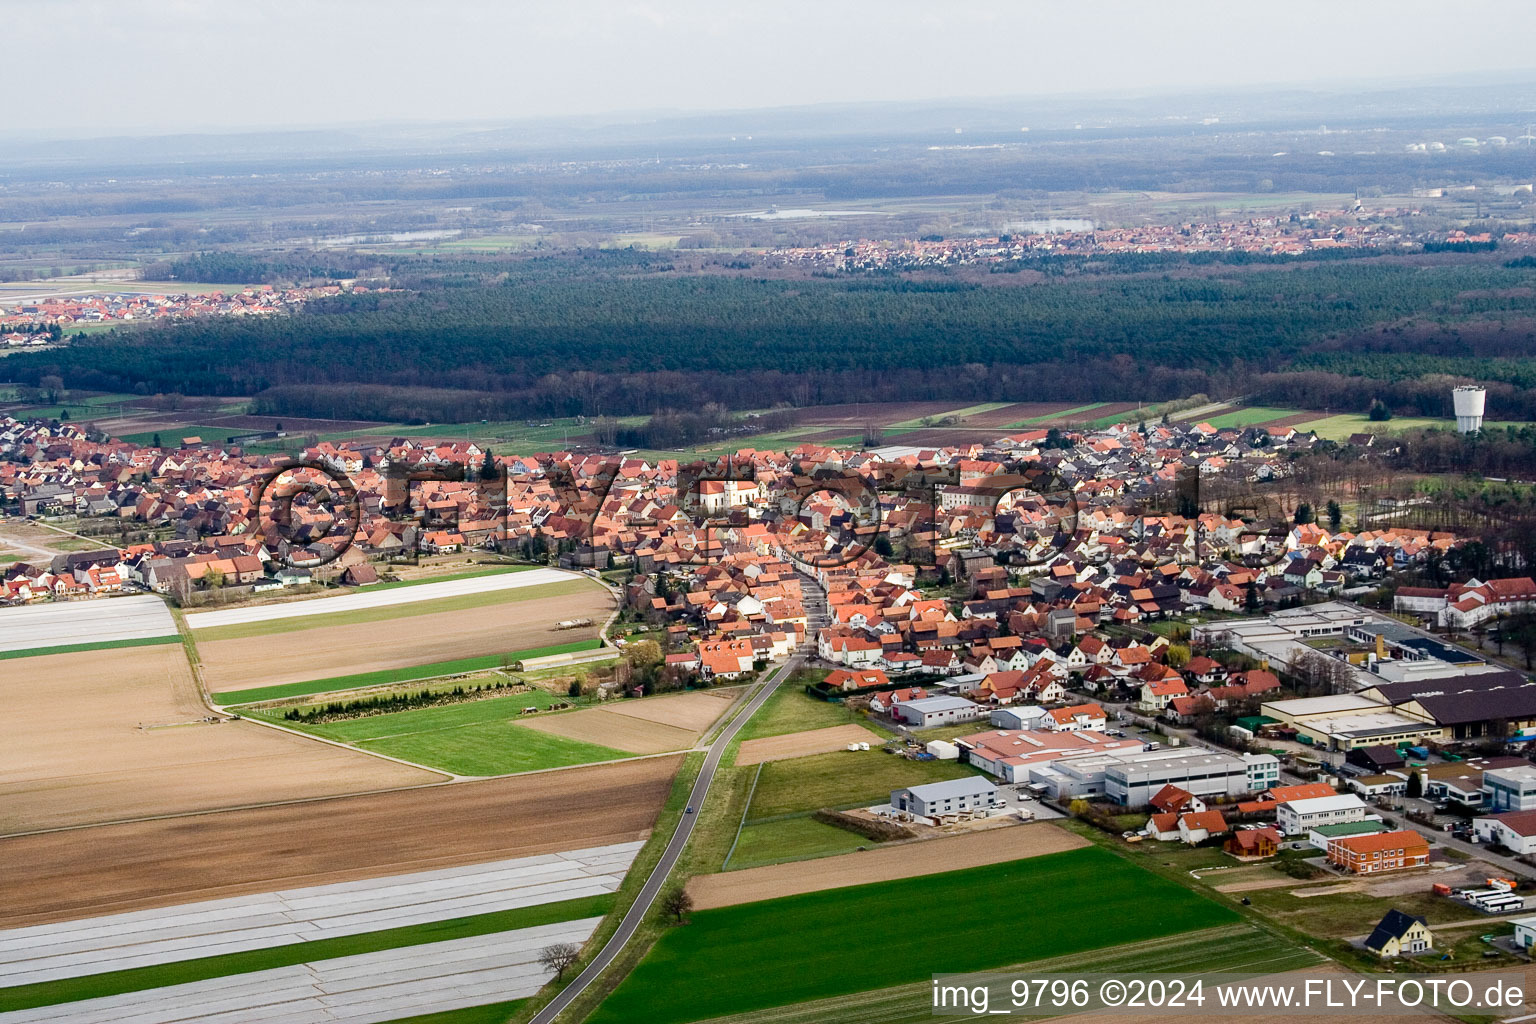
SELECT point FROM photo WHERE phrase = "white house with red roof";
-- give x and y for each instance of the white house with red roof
(1078, 718)
(1473, 603)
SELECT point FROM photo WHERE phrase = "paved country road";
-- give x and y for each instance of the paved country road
(816, 612)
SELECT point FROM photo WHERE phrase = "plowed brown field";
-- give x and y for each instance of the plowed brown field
(107, 735)
(113, 868)
(328, 651)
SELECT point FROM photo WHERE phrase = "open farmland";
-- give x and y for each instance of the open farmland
(34, 543)
(317, 611)
(47, 954)
(647, 726)
(478, 738)
(799, 744)
(79, 624)
(400, 636)
(62, 875)
(365, 988)
(715, 966)
(1236, 948)
(841, 779)
(112, 734)
(494, 737)
(889, 860)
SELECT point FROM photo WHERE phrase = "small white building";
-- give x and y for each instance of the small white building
(1525, 931)
(1515, 830)
(1297, 817)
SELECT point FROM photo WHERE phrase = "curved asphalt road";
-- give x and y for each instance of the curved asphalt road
(816, 611)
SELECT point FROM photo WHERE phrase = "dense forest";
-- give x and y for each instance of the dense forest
(624, 333)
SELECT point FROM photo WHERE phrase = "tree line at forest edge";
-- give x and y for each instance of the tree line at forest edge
(621, 334)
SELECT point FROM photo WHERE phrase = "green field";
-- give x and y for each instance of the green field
(138, 979)
(1239, 949)
(791, 709)
(397, 675)
(787, 839)
(800, 785)
(477, 738)
(170, 437)
(491, 1013)
(463, 602)
(824, 944)
(1248, 416)
(1338, 428)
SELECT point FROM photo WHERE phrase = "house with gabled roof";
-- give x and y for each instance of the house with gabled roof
(1398, 933)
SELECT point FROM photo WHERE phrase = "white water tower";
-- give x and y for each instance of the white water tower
(1468, 400)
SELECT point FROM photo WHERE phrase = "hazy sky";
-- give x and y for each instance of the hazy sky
(87, 67)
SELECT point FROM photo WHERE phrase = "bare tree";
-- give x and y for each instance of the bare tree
(1320, 674)
(677, 903)
(559, 957)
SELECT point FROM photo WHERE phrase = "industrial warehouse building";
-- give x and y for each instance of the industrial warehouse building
(952, 796)
(1510, 789)
(927, 712)
(1132, 780)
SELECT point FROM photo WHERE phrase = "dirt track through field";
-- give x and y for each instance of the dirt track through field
(113, 868)
(902, 860)
(329, 651)
(799, 744)
(111, 734)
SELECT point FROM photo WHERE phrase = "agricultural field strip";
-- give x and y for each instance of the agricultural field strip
(79, 622)
(147, 937)
(363, 989)
(377, 599)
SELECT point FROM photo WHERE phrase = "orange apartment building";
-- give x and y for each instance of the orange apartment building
(1384, 851)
